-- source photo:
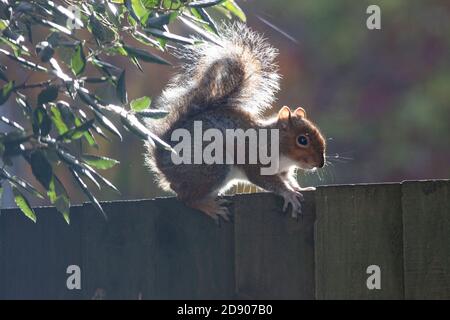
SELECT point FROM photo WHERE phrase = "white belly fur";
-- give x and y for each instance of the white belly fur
(237, 175)
(234, 177)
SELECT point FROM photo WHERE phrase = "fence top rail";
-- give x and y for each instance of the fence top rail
(240, 195)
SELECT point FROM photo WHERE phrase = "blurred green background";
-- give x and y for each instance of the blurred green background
(381, 97)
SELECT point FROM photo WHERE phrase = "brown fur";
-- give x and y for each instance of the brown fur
(228, 87)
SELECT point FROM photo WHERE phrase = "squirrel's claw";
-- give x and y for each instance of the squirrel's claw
(222, 210)
(214, 208)
(293, 198)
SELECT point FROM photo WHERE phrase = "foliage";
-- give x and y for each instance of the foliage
(67, 113)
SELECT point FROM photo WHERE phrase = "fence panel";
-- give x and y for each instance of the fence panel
(357, 227)
(159, 249)
(274, 253)
(426, 217)
(34, 257)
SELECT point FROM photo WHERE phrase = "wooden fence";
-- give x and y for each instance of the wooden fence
(159, 249)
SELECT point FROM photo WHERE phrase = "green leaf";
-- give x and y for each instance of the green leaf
(58, 120)
(23, 103)
(18, 182)
(78, 166)
(23, 204)
(153, 113)
(106, 123)
(54, 39)
(78, 60)
(90, 100)
(137, 10)
(232, 6)
(145, 55)
(87, 134)
(103, 66)
(204, 3)
(2, 74)
(78, 131)
(99, 162)
(6, 92)
(136, 63)
(113, 14)
(140, 104)
(202, 14)
(206, 34)
(119, 49)
(88, 193)
(66, 12)
(12, 123)
(131, 122)
(161, 20)
(59, 198)
(143, 38)
(169, 36)
(100, 32)
(45, 51)
(66, 113)
(48, 94)
(13, 40)
(87, 98)
(58, 71)
(121, 89)
(3, 24)
(95, 79)
(55, 26)
(105, 181)
(41, 168)
(85, 169)
(100, 132)
(24, 62)
(42, 123)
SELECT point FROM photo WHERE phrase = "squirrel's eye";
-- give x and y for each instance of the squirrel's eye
(302, 140)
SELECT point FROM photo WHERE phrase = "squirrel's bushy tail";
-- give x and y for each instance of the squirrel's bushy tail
(237, 72)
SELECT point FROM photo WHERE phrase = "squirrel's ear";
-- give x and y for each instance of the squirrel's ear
(300, 112)
(284, 114)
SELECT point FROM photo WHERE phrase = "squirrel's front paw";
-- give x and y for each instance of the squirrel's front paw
(293, 198)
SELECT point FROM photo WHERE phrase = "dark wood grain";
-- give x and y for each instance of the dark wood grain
(274, 252)
(34, 257)
(358, 226)
(157, 249)
(426, 217)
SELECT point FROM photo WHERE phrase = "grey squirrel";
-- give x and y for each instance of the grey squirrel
(228, 85)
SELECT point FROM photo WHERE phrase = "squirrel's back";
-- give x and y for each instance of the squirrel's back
(236, 72)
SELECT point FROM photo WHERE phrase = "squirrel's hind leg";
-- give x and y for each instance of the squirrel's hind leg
(212, 206)
(200, 193)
